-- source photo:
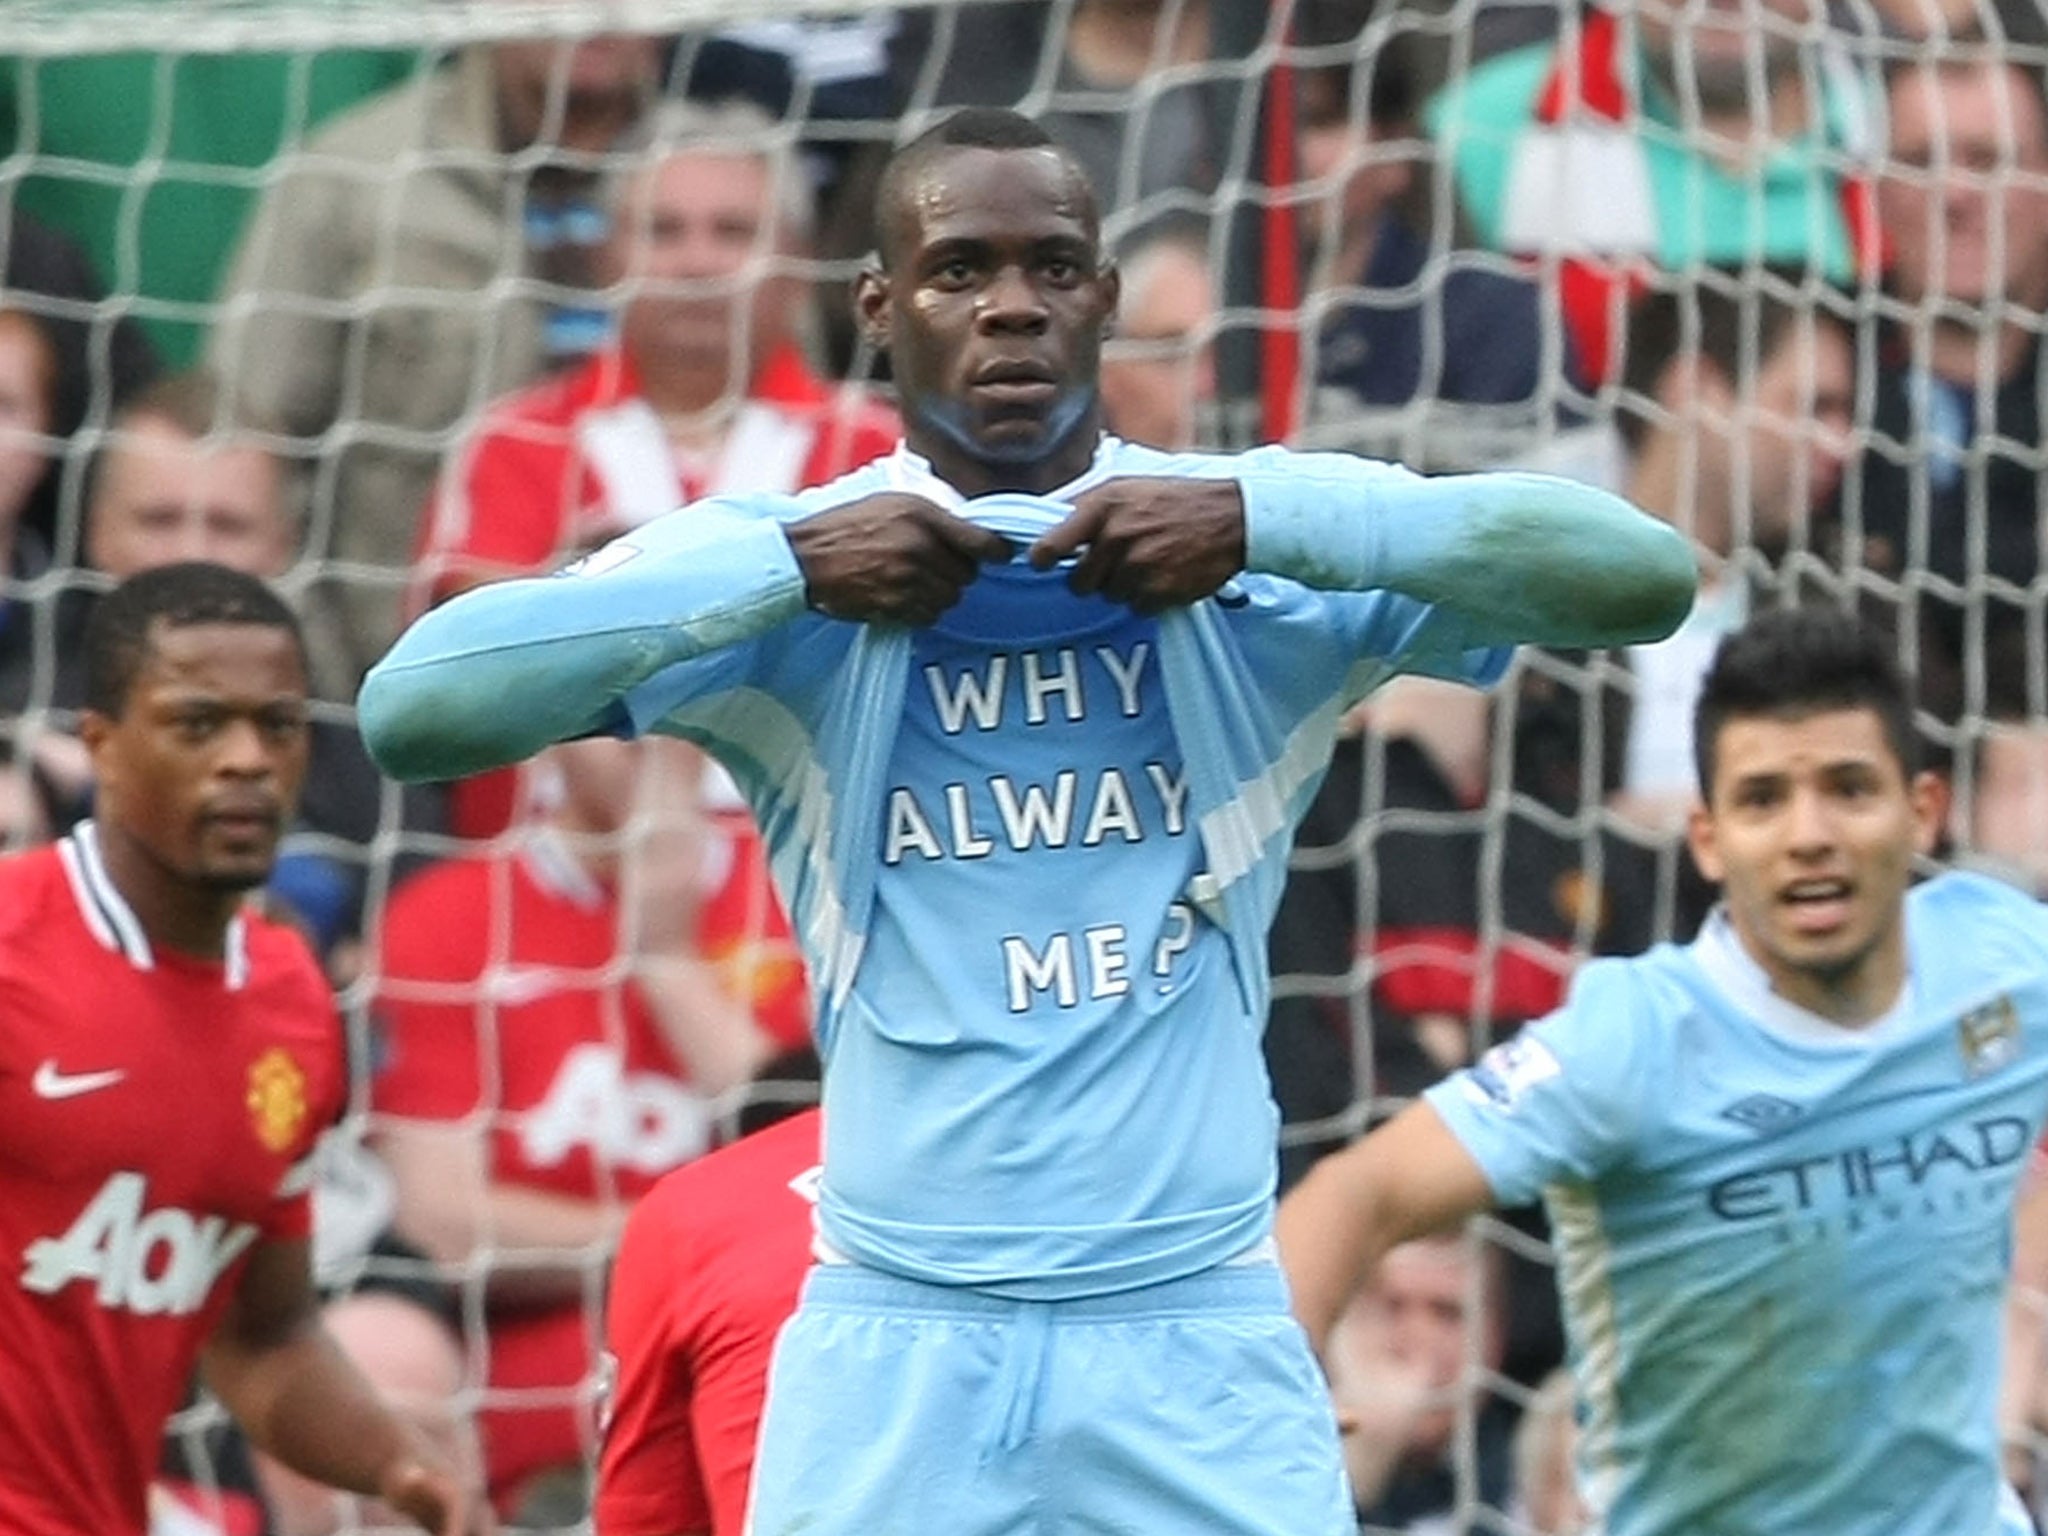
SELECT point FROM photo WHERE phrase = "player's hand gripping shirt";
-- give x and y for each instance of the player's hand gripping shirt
(1783, 1245)
(156, 1119)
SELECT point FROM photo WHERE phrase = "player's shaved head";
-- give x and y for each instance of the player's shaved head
(1790, 663)
(119, 634)
(991, 128)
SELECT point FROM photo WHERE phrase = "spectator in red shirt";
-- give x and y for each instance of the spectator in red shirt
(706, 389)
(551, 1043)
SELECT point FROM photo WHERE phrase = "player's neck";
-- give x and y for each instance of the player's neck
(1851, 998)
(175, 912)
(973, 476)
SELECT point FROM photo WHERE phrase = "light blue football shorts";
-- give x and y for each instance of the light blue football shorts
(1192, 1408)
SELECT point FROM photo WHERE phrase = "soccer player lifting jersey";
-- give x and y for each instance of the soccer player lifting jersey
(1030, 817)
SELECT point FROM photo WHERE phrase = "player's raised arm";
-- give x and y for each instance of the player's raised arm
(1408, 1178)
(498, 673)
(1522, 558)
(502, 671)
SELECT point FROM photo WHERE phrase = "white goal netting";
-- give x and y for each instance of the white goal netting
(1776, 270)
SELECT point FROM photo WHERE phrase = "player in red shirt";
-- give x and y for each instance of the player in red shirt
(709, 1268)
(167, 1061)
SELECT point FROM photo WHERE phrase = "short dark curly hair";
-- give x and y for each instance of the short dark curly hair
(970, 128)
(117, 636)
(1787, 663)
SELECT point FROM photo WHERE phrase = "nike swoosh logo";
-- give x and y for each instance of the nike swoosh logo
(49, 1083)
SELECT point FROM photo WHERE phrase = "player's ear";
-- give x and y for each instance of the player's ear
(1930, 794)
(1111, 281)
(1699, 837)
(873, 305)
(97, 732)
(93, 729)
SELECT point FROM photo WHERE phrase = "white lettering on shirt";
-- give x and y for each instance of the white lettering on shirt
(142, 1261)
(638, 1120)
(979, 695)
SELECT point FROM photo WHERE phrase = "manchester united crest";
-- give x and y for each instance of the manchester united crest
(277, 1099)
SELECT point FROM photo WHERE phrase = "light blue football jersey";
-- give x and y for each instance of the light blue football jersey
(1045, 1028)
(1783, 1245)
(1040, 1030)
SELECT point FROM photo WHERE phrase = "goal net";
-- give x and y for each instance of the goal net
(1454, 233)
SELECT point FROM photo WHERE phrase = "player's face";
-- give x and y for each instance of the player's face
(992, 310)
(1811, 828)
(202, 770)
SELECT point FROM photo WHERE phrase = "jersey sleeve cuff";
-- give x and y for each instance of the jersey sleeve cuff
(1289, 531)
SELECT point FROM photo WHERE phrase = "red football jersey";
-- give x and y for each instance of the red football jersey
(157, 1113)
(708, 1269)
(502, 995)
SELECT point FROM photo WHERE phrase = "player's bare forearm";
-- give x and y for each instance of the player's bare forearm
(1408, 1178)
(302, 1400)
(1523, 558)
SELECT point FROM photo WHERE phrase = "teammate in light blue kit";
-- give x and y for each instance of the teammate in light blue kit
(1031, 817)
(1781, 1161)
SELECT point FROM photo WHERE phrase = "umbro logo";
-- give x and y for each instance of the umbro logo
(49, 1083)
(1762, 1113)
